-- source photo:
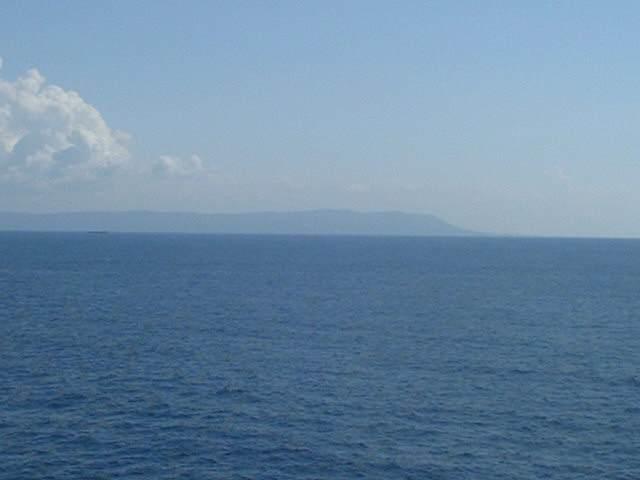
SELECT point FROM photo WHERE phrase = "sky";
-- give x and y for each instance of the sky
(497, 116)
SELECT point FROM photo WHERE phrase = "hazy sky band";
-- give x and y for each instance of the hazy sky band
(509, 117)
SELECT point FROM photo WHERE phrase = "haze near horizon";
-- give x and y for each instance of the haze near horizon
(513, 118)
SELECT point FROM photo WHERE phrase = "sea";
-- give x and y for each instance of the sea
(144, 356)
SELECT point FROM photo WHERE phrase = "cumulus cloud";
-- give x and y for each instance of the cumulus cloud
(49, 135)
(169, 165)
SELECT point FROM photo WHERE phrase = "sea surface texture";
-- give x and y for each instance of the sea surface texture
(249, 357)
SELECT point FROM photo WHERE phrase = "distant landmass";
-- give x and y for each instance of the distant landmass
(315, 222)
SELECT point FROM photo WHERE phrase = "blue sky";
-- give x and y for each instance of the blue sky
(512, 117)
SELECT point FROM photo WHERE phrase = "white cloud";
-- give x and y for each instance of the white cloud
(169, 165)
(51, 135)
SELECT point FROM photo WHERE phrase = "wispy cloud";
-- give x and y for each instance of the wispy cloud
(358, 188)
(172, 166)
(558, 176)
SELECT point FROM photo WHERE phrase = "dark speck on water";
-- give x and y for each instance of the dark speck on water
(192, 357)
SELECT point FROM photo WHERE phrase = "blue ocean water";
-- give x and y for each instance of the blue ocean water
(196, 357)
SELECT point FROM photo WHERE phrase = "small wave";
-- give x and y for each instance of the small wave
(521, 371)
(66, 400)
(630, 380)
(227, 390)
(634, 380)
